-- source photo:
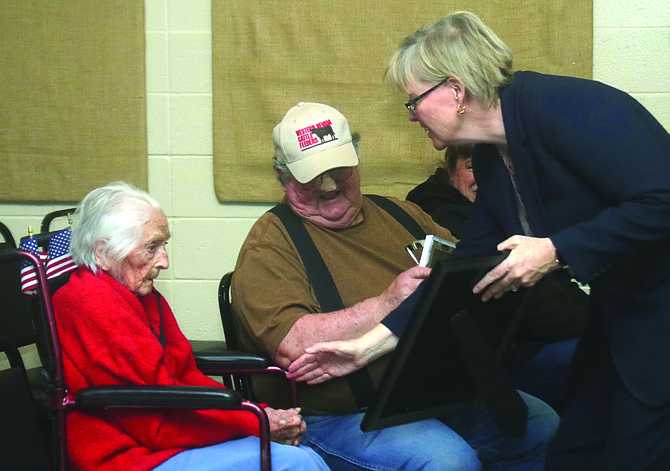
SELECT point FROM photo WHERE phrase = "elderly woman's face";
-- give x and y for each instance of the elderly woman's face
(138, 270)
(333, 204)
(463, 179)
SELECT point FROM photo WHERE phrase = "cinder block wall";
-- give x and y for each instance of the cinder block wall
(631, 52)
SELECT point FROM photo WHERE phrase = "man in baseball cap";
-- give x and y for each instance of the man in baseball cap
(363, 250)
(317, 165)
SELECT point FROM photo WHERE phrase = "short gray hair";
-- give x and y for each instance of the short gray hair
(459, 45)
(285, 174)
(113, 214)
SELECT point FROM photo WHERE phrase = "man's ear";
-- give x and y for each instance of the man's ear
(279, 177)
(98, 248)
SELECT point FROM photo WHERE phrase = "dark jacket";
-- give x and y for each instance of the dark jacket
(554, 309)
(446, 205)
(593, 170)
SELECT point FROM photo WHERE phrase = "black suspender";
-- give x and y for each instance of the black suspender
(399, 215)
(322, 281)
(318, 274)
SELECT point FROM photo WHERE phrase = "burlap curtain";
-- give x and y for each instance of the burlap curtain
(72, 97)
(269, 55)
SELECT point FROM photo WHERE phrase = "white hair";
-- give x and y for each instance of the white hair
(114, 216)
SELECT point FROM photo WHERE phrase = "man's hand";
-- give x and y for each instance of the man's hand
(529, 260)
(404, 285)
(286, 426)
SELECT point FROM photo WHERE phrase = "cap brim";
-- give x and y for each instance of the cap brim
(310, 167)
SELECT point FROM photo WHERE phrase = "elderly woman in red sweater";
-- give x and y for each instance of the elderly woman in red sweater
(115, 328)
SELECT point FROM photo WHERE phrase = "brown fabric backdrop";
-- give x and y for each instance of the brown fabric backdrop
(72, 97)
(268, 55)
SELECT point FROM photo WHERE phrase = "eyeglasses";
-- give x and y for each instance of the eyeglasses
(338, 175)
(411, 105)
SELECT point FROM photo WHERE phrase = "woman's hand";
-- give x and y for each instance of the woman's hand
(286, 426)
(529, 260)
(327, 360)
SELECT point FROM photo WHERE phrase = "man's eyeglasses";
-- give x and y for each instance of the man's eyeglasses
(411, 105)
(337, 174)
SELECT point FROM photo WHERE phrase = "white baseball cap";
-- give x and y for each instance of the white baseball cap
(312, 139)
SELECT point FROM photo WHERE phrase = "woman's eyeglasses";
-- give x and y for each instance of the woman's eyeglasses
(411, 105)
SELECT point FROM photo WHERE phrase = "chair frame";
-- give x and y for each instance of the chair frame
(232, 333)
(214, 357)
(193, 397)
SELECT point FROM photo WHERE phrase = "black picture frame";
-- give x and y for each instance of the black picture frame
(448, 357)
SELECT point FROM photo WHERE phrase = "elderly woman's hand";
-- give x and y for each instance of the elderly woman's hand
(286, 426)
(529, 260)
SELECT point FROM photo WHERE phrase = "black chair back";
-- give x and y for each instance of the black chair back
(7, 237)
(15, 323)
(242, 382)
(228, 317)
(46, 231)
(42, 381)
(53, 215)
(22, 444)
(21, 326)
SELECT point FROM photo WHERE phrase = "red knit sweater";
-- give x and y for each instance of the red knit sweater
(106, 339)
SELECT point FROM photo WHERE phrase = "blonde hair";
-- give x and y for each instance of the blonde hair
(459, 45)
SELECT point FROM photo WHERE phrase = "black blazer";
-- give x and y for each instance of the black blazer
(593, 170)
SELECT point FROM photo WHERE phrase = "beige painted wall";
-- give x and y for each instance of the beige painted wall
(631, 52)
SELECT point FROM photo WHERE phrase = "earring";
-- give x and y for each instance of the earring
(460, 109)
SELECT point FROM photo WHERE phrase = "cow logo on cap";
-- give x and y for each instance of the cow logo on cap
(315, 135)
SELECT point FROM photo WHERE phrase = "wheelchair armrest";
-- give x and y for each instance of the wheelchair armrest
(190, 397)
(182, 397)
(212, 358)
(213, 355)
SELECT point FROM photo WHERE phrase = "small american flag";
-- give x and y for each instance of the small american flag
(57, 261)
(28, 273)
(59, 257)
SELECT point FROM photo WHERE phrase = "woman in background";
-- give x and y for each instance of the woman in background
(448, 194)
